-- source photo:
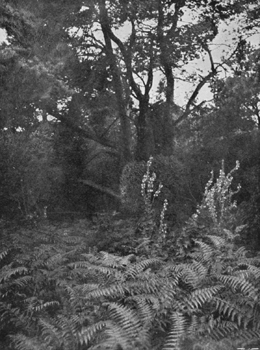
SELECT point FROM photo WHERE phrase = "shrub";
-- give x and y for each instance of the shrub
(30, 177)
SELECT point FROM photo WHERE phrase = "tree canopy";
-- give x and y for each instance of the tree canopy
(108, 73)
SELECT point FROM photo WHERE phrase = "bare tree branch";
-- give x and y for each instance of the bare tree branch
(211, 74)
(87, 133)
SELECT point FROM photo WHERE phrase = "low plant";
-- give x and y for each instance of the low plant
(57, 293)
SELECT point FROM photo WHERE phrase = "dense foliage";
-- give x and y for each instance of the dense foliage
(200, 288)
(113, 113)
(112, 100)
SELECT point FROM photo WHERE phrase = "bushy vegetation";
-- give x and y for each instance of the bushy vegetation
(100, 249)
(198, 288)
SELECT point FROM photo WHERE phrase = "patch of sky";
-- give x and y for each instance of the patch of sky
(3, 35)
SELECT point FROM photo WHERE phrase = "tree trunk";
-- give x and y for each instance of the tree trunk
(125, 128)
(168, 128)
(167, 117)
(144, 134)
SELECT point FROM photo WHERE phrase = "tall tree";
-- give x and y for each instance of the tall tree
(68, 47)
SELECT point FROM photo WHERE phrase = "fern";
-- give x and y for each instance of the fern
(88, 334)
(125, 318)
(248, 335)
(3, 254)
(222, 330)
(50, 333)
(205, 252)
(22, 342)
(9, 315)
(68, 299)
(113, 291)
(201, 296)
(187, 274)
(115, 261)
(115, 338)
(176, 331)
(146, 306)
(135, 269)
(240, 253)
(236, 283)
(42, 306)
(84, 268)
(251, 271)
(217, 241)
(8, 272)
(233, 311)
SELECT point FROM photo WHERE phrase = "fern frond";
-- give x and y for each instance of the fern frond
(84, 267)
(230, 235)
(22, 342)
(135, 269)
(196, 325)
(3, 254)
(210, 344)
(146, 307)
(110, 260)
(247, 334)
(8, 272)
(73, 240)
(50, 333)
(199, 268)
(222, 330)
(187, 275)
(234, 311)
(114, 337)
(243, 274)
(217, 241)
(201, 296)
(177, 330)
(45, 305)
(9, 315)
(69, 289)
(126, 318)
(205, 251)
(146, 284)
(54, 260)
(22, 281)
(237, 283)
(240, 253)
(88, 334)
(68, 328)
(115, 290)
(107, 272)
(252, 271)
(87, 287)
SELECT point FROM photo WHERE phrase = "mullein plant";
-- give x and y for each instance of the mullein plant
(218, 208)
(216, 215)
(153, 234)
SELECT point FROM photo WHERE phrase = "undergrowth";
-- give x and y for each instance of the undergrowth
(197, 290)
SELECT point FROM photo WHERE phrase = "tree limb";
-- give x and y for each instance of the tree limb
(101, 188)
(178, 5)
(124, 52)
(149, 82)
(210, 75)
(84, 132)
